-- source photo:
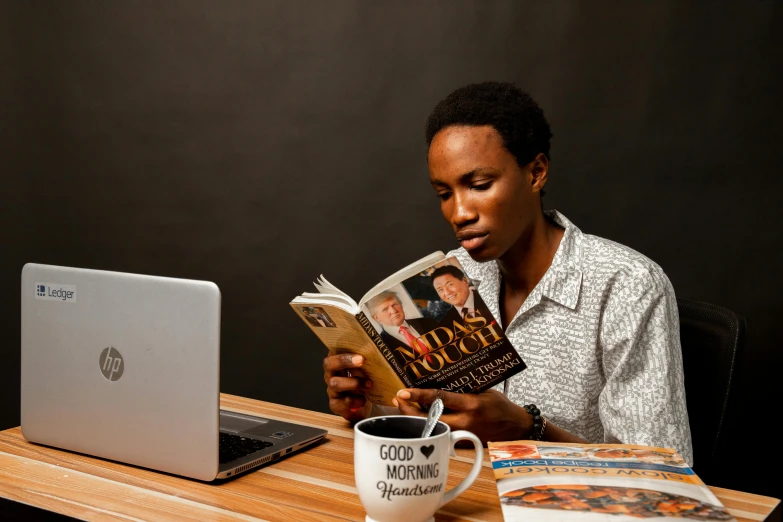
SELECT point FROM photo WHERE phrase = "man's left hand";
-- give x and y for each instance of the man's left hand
(490, 415)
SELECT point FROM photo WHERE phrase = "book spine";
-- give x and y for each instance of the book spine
(387, 354)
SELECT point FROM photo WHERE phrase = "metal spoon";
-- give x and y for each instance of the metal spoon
(436, 408)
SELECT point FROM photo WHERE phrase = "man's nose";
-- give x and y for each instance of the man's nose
(462, 212)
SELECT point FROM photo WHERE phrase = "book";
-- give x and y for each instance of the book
(544, 481)
(424, 326)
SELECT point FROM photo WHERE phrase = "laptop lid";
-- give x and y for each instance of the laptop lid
(122, 366)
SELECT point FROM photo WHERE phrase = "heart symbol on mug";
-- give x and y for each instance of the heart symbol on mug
(427, 450)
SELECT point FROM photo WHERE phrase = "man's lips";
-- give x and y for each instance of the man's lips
(471, 241)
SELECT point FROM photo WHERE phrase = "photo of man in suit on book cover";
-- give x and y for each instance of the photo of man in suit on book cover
(317, 316)
(401, 334)
(454, 287)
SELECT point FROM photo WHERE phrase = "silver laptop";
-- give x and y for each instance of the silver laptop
(127, 367)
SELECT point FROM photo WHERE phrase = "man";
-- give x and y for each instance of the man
(312, 319)
(454, 288)
(322, 318)
(401, 335)
(596, 322)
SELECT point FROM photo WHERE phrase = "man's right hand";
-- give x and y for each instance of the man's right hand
(346, 391)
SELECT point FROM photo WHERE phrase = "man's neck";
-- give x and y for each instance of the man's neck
(395, 329)
(469, 302)
(524, 264)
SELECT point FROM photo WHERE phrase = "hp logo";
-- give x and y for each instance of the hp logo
(111, 363)
(40, 290)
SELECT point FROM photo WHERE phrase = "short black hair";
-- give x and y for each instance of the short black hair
(510, 110)
(446, 269)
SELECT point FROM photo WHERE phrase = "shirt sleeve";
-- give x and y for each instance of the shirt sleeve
(643, 400)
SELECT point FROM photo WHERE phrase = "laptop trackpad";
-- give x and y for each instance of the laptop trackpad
(235, 422)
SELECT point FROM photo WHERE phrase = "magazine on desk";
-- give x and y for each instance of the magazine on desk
(425, 326)
(546, 481)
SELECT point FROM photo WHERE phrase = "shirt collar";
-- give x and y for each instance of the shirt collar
(469, 302)
(562, 281)
(395, 330)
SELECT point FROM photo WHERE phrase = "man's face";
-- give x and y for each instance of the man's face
(389, 313)
(453, 290)
(489, 200)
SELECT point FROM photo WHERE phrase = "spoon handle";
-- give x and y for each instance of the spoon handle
(436, 409)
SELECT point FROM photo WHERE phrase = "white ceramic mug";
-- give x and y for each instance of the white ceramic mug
(401, 476)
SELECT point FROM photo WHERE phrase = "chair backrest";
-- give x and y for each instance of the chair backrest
(712, 339)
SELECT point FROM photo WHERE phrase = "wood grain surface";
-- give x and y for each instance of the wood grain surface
(313, 485)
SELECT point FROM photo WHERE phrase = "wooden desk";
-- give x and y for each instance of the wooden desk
(315, 485)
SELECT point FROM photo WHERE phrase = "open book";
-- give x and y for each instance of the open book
(425, 326)
(540, 481)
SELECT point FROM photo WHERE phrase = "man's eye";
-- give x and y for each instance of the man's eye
(481, 186)
(443, 196)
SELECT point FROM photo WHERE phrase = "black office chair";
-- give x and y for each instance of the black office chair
(712, 339)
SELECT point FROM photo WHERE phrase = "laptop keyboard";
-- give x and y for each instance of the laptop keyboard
(233, 447)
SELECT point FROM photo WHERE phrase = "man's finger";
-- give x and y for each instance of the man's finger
(352, 403)
(409, 409)
(342, 361)
(451, 400)
(337, 385)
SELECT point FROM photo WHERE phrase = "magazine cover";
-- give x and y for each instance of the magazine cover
(546, 481)
(440, 331)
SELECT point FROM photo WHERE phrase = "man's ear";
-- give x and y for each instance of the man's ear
(539, 171)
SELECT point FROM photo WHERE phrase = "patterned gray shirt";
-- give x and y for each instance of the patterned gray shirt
(600, 336)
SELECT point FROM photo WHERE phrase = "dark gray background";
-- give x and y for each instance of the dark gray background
(260, 144)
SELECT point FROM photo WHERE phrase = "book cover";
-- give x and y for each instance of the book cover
(345, 332)
(545, 481)
(429, 327)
